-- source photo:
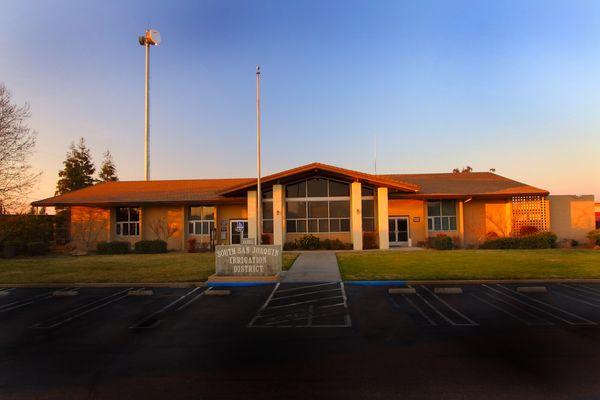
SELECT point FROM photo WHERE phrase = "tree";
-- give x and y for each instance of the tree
(163, 229)
(79, 169)
(465, 170)
(108, 170)
(17, 141)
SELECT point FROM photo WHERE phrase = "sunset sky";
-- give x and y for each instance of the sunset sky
(510, 85)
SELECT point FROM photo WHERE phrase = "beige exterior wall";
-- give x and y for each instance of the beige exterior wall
(486, 216)
(157, 220)
(89, 225)
(417, 221)
(356, 215)
(227, 213)
(572, 217)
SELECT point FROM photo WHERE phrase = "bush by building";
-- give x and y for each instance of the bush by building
(37, 248)
(594, 237)
(540, 240)
(113, 247)
(370, 240)
(441, 242)
(311, 242)
(150, 246)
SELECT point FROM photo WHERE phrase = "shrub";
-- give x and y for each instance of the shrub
(36, 248)
(528, 230)
(308, 242)
(594, 237)
(27, 228)
(287, 246)
(191, 245)
(541, 240)
(441, 242)
(113, 247)
(12, 248)
(150, 246)
(265, 238)
(370, 240)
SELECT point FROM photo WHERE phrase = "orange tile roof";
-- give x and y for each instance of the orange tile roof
(483, 184)
(221, 191)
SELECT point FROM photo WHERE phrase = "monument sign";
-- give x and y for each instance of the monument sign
(248, 260)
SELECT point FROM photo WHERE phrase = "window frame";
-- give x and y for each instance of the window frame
(119, 225)
(193, 224)
(442, 222)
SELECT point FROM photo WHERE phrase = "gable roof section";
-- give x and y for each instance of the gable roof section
(140, 192)
(329, 170)
(472, 184)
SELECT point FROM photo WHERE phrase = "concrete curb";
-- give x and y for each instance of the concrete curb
(501, 281)
(175, 285)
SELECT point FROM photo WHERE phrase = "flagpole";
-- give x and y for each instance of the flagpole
(258, 191)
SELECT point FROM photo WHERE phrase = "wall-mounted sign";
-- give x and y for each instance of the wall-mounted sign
(248, 260)
(416, 219)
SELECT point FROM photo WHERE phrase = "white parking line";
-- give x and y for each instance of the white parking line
(304, 294)
(471, 322)
(305, 287)
(497, 307)
(423, 313)
(87, 308)
(141, 323)
(583, 289)
(25, 302)
(304, 302)
(574, 297)
(584, 321)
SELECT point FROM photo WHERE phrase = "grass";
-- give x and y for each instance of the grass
(169, 267)
(470, 264)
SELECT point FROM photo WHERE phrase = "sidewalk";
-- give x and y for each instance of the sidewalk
(314, 266)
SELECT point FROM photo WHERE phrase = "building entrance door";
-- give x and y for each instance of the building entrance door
(399, 231)
(238, 230)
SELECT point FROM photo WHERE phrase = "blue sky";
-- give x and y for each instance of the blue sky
(511, 85)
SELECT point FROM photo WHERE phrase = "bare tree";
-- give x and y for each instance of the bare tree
(162, 229)
(87, 224)
(17, 141)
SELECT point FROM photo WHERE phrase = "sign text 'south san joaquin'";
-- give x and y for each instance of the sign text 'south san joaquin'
(248, 260)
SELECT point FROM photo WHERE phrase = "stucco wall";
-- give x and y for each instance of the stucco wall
(89, 225)
(572, 217)
(227, 213)
(486, 216)
(157, 219)
(412, 209)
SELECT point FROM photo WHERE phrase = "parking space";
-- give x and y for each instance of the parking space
(314, 305)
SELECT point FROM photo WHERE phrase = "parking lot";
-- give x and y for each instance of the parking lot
(322, 340)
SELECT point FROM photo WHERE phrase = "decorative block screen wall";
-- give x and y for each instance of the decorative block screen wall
(529, 211)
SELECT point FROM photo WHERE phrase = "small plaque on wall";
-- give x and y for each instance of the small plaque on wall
(416, 219)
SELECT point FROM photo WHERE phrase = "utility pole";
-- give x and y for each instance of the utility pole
(258, 191)
(150, 38)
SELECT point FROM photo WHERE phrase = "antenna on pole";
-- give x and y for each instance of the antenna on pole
(258, 191)
(375, 151)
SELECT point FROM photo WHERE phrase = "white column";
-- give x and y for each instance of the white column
(356, 215)
(383, 226)
(251, 211)
(461, 223)
(278, 211)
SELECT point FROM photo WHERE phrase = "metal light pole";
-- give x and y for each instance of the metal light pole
(150, 38)
(258, 191)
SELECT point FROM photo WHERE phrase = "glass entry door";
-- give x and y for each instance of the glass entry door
(238, 229)
(399, 232)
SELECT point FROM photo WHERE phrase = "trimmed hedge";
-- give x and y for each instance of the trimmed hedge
(113, 247)
(151, 247)
(441, 242)
(36, 248)
(541, 240)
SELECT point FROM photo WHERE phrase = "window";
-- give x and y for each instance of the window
(201, 220)
(441, 215)
(368, 212)
(317, 205)
(128, 221)
(267, 216)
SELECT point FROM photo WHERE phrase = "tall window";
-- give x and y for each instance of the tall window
(317, 205)
(441, 215)
(128, 221)
(267, 211)
(201, 220)
(368, 209)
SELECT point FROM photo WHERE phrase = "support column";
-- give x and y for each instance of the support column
(356, 215)
(383, 226)
(461, 223)
(278, 215)
(251, 211)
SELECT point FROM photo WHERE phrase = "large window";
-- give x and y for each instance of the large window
(201, 220)
(441, 215)
(128, 221)
(317, 205)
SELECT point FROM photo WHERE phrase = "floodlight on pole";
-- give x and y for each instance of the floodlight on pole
(151, 38)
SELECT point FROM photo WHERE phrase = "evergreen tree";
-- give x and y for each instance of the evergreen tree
(78, 171)
(108, 170)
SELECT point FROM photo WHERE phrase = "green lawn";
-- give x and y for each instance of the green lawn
(470, 264)
(169, 267)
